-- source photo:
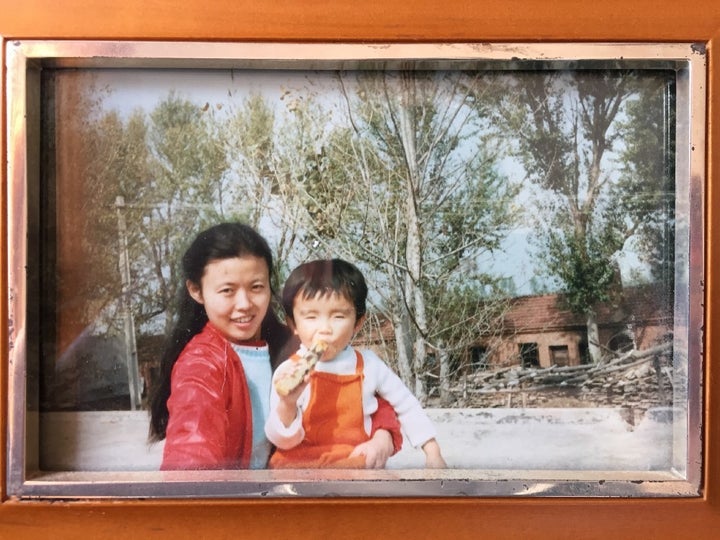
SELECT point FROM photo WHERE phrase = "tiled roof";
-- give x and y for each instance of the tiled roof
(548, 312)
(540, 312)
(543, 312)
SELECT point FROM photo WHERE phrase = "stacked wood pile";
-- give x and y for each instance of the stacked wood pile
(637, 380)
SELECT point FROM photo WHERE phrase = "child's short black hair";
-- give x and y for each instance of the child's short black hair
(325, 277)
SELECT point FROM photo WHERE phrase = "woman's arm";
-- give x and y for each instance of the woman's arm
(385, 419)
(385, 439)
(197, 424)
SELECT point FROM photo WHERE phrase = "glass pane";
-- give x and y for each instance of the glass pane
(523, 228)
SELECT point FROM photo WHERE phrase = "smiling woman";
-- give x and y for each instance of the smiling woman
(45, 319)
(206, 408)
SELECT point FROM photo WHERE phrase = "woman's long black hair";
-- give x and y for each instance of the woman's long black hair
(223, 241)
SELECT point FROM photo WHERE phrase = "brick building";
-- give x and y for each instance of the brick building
(541, 331)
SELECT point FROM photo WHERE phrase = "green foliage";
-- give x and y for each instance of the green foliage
(648, 175)
(166, 167)
(404, 182)
(401, 175)
(589, 141)
(247, 137)
(585, 266)
(424, 200)
(440, 168)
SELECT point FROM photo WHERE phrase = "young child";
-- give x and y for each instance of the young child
(212, 400)
(320, 422)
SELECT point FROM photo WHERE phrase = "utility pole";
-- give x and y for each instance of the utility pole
(128, 319)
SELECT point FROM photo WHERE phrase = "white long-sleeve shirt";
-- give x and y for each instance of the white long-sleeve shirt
(378, 379)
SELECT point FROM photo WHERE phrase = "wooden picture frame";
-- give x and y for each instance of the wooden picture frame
(466, 517)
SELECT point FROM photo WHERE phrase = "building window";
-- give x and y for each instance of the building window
(559, 355)
(584, 352)
(478, 358)
(621, 343)
(529, 355)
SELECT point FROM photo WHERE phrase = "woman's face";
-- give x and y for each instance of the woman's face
(236, 296)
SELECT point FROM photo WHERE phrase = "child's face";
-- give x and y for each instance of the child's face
(236, 296)
(327, 317)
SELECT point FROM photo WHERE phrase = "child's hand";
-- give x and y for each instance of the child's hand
(287, 408)
(293, 372)
(376, 451)
(433, 457)
(435, 462)
(295, 394)
(287, 369)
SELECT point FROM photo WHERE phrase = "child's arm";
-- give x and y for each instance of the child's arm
(433, 457)
(284, 424)
(377, 450)
(416, 424)
(287, 405)
(385, 419)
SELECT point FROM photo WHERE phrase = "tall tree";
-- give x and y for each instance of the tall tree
(249, 145)
(181, 195)
(415, 200)
(116, 166)
(89, 158)
(571, 134)
(648, 170)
